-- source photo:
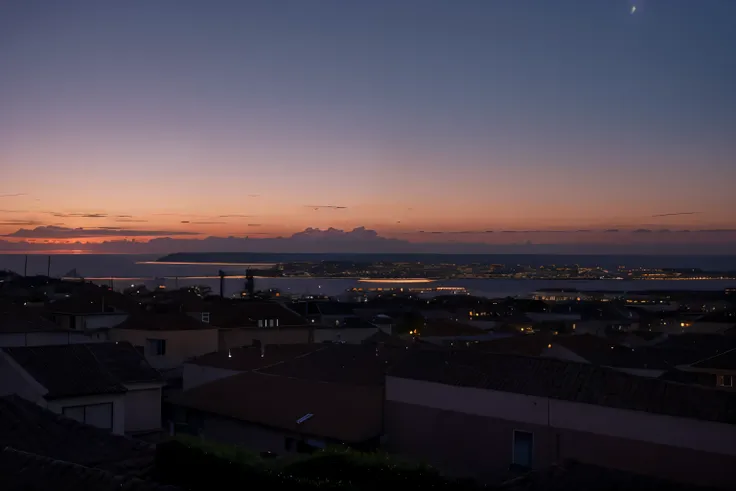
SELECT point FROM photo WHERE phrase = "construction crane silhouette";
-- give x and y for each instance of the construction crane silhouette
(249, 282)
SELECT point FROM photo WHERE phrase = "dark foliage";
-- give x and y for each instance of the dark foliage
(202, 467)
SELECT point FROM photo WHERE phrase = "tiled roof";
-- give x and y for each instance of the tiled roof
(605, 352)
(573, 476)
(94, 303)
(23, 471)
(31, 428)
(346, 413)
(575, 382)
(449, 328)
(723, 361)
(684, 349)
(253, 357)
(646, 335)
(125, 363)
(341, 363)
(526, 344)
(83, 369)
(163, 321)
(383, 338)
(337, 308)
(696, 378)
(20, 319)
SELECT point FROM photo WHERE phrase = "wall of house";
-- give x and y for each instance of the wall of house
(180, 345)
(102, 321)
(15, 380)
(195, 375)
(235, 338)
(142, 408)
(89, 321)
(470, 432)
(118, 407)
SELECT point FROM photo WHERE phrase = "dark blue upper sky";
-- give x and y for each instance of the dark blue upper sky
(535, 99)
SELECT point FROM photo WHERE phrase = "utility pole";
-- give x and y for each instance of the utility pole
(25, 267)
(48, 268)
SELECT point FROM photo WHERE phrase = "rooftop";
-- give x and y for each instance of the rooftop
(340, 412)
(95, 302)
(17, 319)
(71, 370)
(383, 338)
(163, 321)
(575, 382)
(527, 344)
(24, 471)
(245, 313)
(449, 328)
(687, 377)
(28, 427)
(254, 357)
(361, 365)
(571, 476)
(723, 361)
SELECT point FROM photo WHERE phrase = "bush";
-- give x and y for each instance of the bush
(195, 468)
(196, 465)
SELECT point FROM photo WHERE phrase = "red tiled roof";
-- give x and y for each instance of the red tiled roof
(340, 412)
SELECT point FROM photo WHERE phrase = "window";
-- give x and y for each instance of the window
(725, 380)
(156, 347)
(206, 317)
(523, 449)
(99, 415)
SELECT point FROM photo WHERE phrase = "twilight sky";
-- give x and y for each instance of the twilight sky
(150, 118)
